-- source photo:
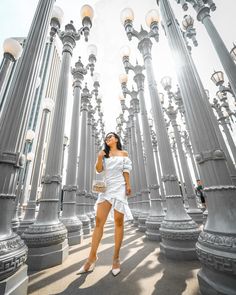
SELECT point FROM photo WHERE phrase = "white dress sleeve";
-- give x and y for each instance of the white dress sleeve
(127, 165)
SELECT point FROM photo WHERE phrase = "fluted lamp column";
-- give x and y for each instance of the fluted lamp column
(172, 112)
(215, 246)
(13, 124)
(20, 186)
(178, 231)
(47, 237)
(69, 217)
(81, 177)
(29, 217)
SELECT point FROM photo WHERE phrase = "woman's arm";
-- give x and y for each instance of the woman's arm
(99, 165)
(127, 183)
(127, 178)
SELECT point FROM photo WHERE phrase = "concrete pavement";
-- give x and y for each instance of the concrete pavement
(143, 271)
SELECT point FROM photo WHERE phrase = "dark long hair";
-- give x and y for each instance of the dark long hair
(107, 148)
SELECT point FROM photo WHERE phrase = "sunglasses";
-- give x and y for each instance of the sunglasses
(109, 136)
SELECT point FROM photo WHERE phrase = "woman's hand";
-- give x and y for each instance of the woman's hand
(101, 154)
(128, 189)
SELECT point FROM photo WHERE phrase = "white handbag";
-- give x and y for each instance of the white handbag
(99, 185)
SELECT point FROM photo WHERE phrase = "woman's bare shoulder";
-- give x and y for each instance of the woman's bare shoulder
(125, 153)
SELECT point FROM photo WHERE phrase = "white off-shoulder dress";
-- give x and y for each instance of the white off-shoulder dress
(115, 185)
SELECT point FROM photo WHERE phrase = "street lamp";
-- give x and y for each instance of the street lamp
(92, 52)
(167, 162)
(55, 247)
(217, 78)
(209, 153)
(203, 8)
(87, 14)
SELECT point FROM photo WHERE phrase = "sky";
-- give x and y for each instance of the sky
(108, 34)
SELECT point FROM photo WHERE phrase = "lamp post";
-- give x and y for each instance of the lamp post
(21, 182)
(69, 217)
(136, 143)
(13, 124)
(189, 150)
(171, 112)
(48, 235)
(81, 176)
(214, 276)
(12, 52)
(29, 217)
(156, 214)
(156, 153)
(203, 8)
(173, 222)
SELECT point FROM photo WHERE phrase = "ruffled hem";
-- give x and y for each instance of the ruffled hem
(116, 205)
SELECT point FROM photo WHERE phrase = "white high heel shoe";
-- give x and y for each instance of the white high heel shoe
(90, 269)
(116, 271)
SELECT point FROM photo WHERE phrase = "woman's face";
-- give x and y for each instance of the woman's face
(110, 139)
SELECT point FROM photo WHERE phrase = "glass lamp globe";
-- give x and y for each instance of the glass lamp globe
(30, 157)
(96, 77)
(29, 135)
(123, 78)
(65, 140)
(188, 21)
(48, 104)
(13, 47)
(161, 96)
(150, 121)
(86, 11)
(126, 14)
(166, 82)
(152, 16)
(125, 51)
(92, 49)
(217, 78)
(58, 14)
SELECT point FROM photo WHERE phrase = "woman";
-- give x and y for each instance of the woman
(116, 166)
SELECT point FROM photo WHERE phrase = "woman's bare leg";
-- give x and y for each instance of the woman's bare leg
(119, 233)
(103, 210)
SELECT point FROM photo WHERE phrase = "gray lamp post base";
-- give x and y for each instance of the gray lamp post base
(135, 216)
(24, 225)
(212, 284)
(75, 238)
(15, 224)
(142, 222)
(92, 219)
(74, 228)
(17, 284)
(175, 250)
(205, 215)
(86, 224)
(43, 257)
(153, 224)
(196, 215)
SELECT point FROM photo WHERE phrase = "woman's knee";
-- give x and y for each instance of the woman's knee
(100, 221)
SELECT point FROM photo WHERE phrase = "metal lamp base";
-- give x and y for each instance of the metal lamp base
(184, 250)
(16, 284)
(214, 283)
(45, 257)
